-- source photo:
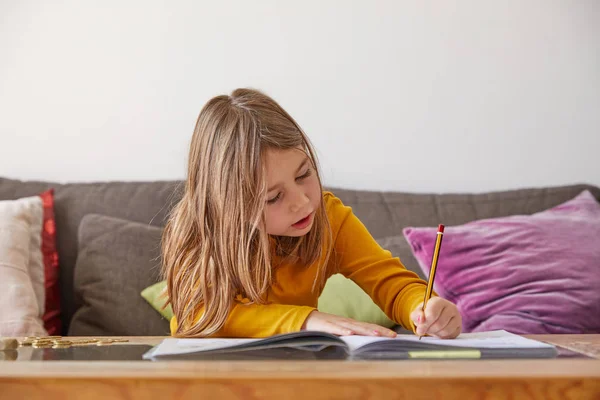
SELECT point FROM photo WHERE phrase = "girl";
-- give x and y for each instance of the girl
(248, 249)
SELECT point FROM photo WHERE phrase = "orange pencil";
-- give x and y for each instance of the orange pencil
(434, 261)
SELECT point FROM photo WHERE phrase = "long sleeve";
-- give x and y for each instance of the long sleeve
(396, 290)
(256, 320)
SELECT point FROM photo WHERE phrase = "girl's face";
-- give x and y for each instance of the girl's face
(294, 194)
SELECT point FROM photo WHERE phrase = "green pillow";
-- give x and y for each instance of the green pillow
(152, 294)
(341, 296)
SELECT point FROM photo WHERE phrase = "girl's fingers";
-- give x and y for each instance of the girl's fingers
(418, 317)
(457, 331)
(366, 329)
(451, 331)
(424, 327)
(434, 310)
(358, 329)
(384, 331)
(352, 327)
(338, 329)
(380, 330)
(446, 330)
(441, 323)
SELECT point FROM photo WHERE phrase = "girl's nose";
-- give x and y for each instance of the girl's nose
(299, 202)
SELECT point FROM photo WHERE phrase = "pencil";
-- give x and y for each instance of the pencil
(434, 261)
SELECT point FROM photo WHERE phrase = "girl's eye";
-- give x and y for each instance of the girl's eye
(301, 177)
(274, 199)
(305, 175)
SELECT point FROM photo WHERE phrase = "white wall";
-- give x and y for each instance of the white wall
(397, 95)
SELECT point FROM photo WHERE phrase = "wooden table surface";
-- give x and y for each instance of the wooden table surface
(561, 378)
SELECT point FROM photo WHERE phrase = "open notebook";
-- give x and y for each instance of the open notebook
(493, 344)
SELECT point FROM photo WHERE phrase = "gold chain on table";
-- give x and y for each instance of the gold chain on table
(58, 342)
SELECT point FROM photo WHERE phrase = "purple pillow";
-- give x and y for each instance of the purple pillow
(531, 274)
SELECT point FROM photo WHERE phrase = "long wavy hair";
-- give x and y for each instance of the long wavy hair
(213, 247)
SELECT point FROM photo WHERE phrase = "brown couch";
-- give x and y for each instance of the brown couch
(148, 203)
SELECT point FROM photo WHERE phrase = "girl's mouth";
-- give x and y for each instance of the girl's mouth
(304, 222)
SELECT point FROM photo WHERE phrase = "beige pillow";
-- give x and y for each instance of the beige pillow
(21, 268)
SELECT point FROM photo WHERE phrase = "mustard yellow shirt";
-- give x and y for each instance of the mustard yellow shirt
(396, 290)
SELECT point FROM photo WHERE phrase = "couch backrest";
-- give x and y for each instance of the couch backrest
(385, 214)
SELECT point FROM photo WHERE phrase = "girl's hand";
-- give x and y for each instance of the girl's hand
(319, 321)
(441, 319)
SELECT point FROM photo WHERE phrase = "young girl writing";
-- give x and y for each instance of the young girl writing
(248, 249)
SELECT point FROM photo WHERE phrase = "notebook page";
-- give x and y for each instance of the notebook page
(183, 346)
(356, 341)
(492, 340)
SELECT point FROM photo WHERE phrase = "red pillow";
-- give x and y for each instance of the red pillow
(51, 317)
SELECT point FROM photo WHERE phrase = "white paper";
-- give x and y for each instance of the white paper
(491, 340)
(182, 346)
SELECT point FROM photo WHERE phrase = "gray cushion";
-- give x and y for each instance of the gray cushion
(117, 259)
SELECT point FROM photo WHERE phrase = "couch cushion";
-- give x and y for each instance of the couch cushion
(117, 259)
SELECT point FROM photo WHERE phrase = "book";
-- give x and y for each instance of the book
(491, 344)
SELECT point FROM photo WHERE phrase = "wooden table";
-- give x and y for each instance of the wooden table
(562, 378)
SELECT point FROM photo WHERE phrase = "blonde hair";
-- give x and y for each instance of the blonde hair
(213, 248)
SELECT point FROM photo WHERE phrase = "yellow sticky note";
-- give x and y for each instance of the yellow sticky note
(445, 354)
